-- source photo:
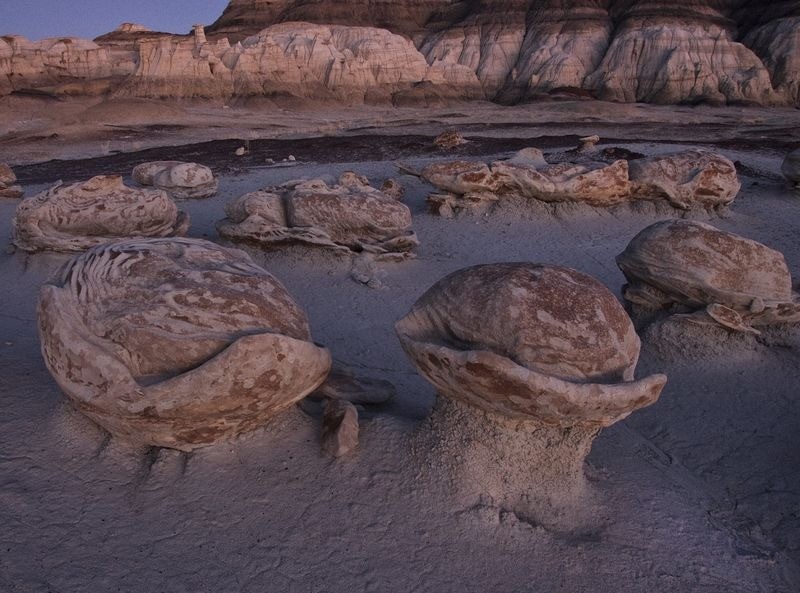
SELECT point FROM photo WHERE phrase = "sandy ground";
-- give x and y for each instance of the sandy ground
(700, 492)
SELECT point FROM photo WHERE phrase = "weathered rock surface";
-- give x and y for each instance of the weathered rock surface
(67, 65)
(176, 342)
(180, 180)
(791, 167)
(339, 427)
(449, 139)
(686, 179)
(81, 215)
(529, 341)
(351, 217)
(630, 50)
(715, 51)
(530, 361)
(7, 181)
(736, 281)
(476, 187)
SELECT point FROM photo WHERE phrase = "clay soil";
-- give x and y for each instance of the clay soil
(699, 492)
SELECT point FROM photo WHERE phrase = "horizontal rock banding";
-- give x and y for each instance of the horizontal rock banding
(715, 51)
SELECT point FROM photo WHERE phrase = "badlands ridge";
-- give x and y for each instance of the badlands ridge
(428, 53)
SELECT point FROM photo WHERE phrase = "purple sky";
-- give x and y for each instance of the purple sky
(37, 19)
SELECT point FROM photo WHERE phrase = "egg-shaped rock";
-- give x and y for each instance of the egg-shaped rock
(78, 216)
(696, 264)
(529, 341)
(176, 343)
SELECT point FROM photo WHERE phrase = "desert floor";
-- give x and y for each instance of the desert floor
(699, 492)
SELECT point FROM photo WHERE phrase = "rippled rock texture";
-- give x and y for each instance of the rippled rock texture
(176, 342)
(350, 217)
(712, 51)
(688, 180)
(81, 215)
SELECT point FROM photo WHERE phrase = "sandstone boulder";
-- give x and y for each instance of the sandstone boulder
(475, 187)
(736, 281)
(529, 361)
(7, 181)
(81, 215)
(791, 167)
(176, 342)
(500, 337)
(180, 180)
(449, 139)
(351, 216)
(689, 179)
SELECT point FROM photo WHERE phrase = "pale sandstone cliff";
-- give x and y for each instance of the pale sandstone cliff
(689, 51)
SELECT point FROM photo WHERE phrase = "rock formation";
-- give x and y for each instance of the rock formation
(68, 66)
(8, 189)
(713, 51)
(176, 342)
(687, 180)
(689, 267)
(349, 217)
(180, 180)
(791, 167)
(339, 427)
(530, 358)
(81, 215)
(449, 139)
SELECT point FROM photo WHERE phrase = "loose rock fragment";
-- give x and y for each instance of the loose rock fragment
(181, 180)
(176, 342)
(339, 427)
(393, 189)
(449, 139)
(7, 181)
(343, 384)
(81, 215)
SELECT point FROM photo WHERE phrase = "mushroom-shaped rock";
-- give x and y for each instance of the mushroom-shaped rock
(587, 144)
(8, 189)
(81, 215)
(350, 217)
(791, 167)
(181, 180)
(531, 358)
(176, 342)
(688, 179)
(736, 281)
